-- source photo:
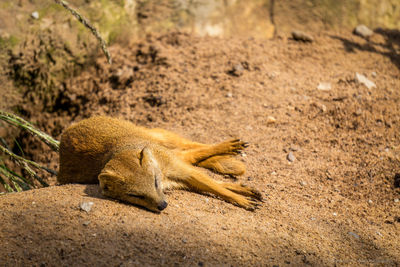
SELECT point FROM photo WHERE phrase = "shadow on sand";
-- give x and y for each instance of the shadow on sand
(390, 48)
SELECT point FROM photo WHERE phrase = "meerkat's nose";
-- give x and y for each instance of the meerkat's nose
(162, 205)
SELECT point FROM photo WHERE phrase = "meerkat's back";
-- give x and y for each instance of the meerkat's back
(86, 146)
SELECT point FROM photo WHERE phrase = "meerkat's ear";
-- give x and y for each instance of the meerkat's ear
(147, 159)
(108, 179)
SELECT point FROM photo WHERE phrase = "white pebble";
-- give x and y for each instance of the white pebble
(302, 183)
(86, 206)
(364, 80)
(270, 120)
(35, 15)
(290, 157)
(363, 31)
(324, 86)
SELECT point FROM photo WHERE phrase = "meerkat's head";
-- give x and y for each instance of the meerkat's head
(134, 176)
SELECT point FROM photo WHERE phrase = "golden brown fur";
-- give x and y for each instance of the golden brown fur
(137, 164)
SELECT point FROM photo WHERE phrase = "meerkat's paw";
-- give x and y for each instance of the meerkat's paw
(233, 147)
(247, 203)
(244, 190)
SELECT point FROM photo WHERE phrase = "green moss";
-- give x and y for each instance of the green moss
(51, 9)
(8, 43)
(111, 20)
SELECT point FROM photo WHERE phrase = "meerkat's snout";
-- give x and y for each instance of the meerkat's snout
(162, 205)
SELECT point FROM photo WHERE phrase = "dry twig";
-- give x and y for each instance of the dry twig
(87, 24)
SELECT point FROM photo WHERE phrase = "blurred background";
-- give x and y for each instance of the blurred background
(257, 18)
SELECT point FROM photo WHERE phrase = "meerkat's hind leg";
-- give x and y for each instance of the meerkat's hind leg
(224, 164)
(231, 147)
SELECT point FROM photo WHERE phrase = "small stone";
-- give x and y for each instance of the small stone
(324, 86)
(33, 203)
(363, 31)
(229, 94)
(373, 74)
(273, 173)
(243, 154)
(86, 206)
(290, 157)
(86, 223)
(302, 36)
(184, 241)
(35, 15)
(358, 112)
(379, 233)
(270, 120)
(370, 201)
(302, 183)
(354, 235)
(237, 70)
(396, 200)
(334, 214)
(272, 75)
(313, 218)
(359, 78)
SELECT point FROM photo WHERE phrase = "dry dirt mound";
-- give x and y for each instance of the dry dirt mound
(327, 166)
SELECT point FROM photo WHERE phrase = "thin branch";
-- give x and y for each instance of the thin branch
(19, 122)
(21, 159)
(32, 173)
(18, 177)
(87, 24)
(6, 185)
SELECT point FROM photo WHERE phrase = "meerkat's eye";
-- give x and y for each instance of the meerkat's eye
(136, 196)
(155, 182)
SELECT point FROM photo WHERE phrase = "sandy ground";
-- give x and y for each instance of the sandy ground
(334, 203)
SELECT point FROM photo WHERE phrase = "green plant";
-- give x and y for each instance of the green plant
(9, 179)
(12, 181)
